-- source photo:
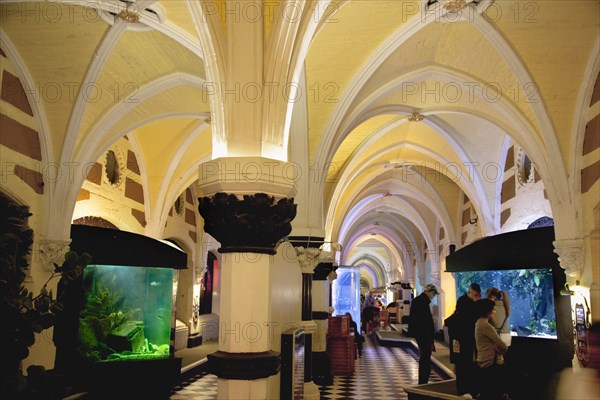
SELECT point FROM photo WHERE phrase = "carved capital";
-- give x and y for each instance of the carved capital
(328, 256)
(53, 252)
(308, 258)
(332, 276)
(253, 224)
(571, 255)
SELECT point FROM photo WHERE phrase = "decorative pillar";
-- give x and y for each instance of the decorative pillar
(322, 278)
(308, 259)
(248, 207)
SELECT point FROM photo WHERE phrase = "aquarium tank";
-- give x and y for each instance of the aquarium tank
(126, 313)
(346, 292)
(531, 295)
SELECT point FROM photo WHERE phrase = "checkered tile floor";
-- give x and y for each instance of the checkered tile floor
(201, 386)
(379, 374)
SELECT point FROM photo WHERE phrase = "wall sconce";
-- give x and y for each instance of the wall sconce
(567, 291)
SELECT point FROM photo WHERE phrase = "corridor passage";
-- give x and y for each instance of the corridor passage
(379, 374)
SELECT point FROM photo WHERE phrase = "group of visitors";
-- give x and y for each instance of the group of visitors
(369, 300)
(370, 308)
(479, 331)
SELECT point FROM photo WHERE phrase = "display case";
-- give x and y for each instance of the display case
(117, 331)
(524, 264)
(346, 292)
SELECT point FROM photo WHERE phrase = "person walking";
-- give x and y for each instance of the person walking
(420, 327)
(463, 332)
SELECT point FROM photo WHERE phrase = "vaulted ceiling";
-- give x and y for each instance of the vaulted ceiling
(492, 72)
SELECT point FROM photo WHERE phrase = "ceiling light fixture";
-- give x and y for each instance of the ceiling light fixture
(415, 117)
(129, 15)
(452, 6)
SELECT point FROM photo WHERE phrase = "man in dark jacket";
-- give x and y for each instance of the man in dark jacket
(420, 327)
(463, 329)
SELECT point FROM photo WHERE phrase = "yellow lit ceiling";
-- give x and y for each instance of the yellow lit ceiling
(513, 71)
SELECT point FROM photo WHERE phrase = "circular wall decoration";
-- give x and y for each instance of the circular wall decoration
(524, 168)
(179, 205)
(114, 167)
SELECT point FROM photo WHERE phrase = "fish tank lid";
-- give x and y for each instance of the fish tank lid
(115, 247)
(524, 249)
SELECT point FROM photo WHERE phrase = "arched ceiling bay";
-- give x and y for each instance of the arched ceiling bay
(492, 72)
(478, 79)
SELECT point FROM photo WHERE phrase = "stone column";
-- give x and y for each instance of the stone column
(247, 207)
(308, 259)
(322, 277)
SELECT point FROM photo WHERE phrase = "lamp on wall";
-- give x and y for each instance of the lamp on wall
(566, 291)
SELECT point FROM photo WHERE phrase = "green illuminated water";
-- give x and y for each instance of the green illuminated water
(127, 313)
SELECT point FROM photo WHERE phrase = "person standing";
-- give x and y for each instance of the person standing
(490, 346)
(463, 327)
(420, 327)
(370, 300)
(367, 313)
(501, 317)
(358, 338)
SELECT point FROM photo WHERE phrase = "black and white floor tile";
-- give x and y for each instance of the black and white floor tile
(379, 374)
(200, 386)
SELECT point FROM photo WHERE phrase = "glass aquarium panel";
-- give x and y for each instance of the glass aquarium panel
(531, 295)
(126, 314)
(346, 292)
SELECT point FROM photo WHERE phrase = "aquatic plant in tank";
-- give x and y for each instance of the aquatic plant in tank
(126, 314)
(531, 296)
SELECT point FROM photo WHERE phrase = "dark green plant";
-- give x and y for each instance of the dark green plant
(21, 312)
(101, 315)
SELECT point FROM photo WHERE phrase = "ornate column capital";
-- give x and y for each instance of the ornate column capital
(308, 258)
(571, 256)
(332, 276)
(248, 175)
(328, 256)
(252, 224)
(52, 252)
